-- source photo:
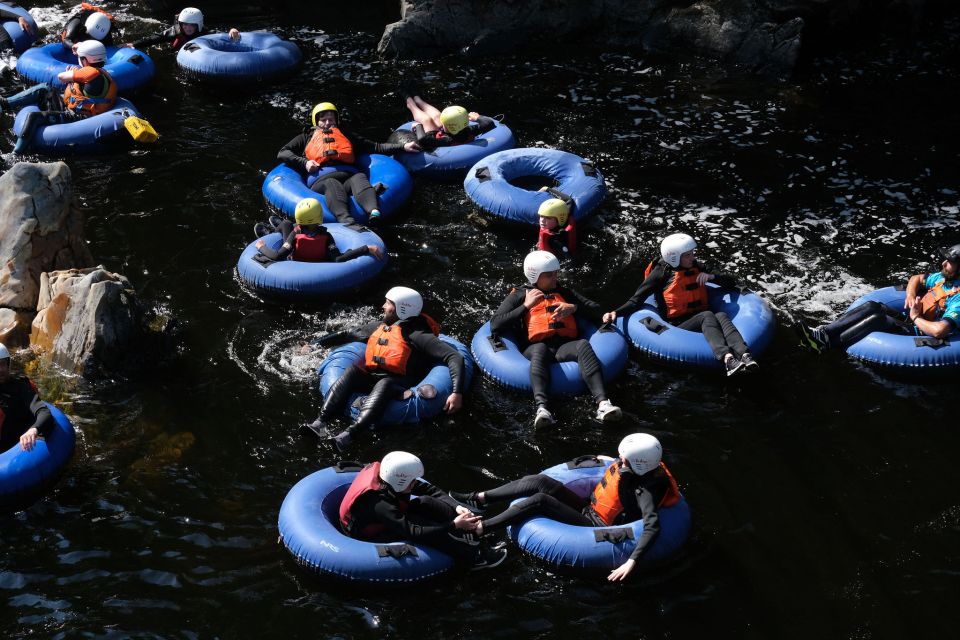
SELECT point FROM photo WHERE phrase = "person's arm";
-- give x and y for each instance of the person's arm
(917, 285)
(484, 124)
(351, 254)
(42, 420)
(71, 31)
(338, 338)
(285, 249)
(83, 75)
(509, 313)
(365, 145)
(436, 349)
(398, 525)
(167, 35)
(647, 287)
(424, 488)
(292, 153)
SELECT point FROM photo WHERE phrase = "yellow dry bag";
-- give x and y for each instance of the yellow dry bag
(140, 130)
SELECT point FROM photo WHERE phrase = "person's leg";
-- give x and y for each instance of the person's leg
(540, 504)
(429, 511)
(354, 379)
(856, 324)
(424, 114)
(34, 120)
(35, 95)
(540, 357)
(590, 368)
(706, 323)
(731, 335)
(384, 390)
(336, 198)
(525, 487)
(359, 186)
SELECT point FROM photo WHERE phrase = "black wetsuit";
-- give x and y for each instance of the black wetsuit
(289, 232)
(719, 331)
(430, 140)
(75, 31)
(427, 351)
(427, 520)
(509, 318)
(337, 187)
(168, 35)
(549, 498)
(21, 408)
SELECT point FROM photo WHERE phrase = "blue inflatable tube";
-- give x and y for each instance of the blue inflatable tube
(26, 475)
(506, 364)
(284, 187)
(21, 39)
(309, 529)
(413, 410)
(292, 280)
(594, 549)
(488, 183)
(657, 338)
(449, 163)
(257, 57)
(129, 68)
(89, 135)
(901, 352)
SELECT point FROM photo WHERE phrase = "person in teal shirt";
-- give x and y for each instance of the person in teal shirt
(932, 305)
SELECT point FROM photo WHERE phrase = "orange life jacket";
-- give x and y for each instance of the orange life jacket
(934, 301)
(683, 295)
(78, 97)
(570, 239)
(329, 145)
(311, 248)
(367, 480)
(541, 327)
(389, 351)
(605, 501)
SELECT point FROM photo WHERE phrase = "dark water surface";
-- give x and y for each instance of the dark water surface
(824, 495)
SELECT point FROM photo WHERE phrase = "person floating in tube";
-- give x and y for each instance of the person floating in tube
(378, 508)
(329, 150)
(401, 349)
(447, 128)
(543, 315)
(308, 240)
(188, 25)
(88, 22)
(558, 232)
(932, 304)
(23, 416)
(678, 283)
(634, 487)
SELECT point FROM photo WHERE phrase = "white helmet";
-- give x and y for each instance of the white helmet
(538, 262)
(191, 15)
(399, 468)
(642, 452)
(409, 303)
(4, 352)
(92, 50)
(674, 245)
(97, 25)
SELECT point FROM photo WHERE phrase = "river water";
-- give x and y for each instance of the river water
(823, 494)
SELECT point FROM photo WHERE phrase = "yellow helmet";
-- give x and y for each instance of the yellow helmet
(309, 211)
(320, 108)
(555, 208)
(454, 119)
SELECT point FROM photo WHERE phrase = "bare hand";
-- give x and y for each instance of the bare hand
(543, 189)
(25, 25)
(411, 147)
(474, 116)
(532, 298)
(621, 572)
(260, 244)
(305, 348)
(564, 309)
(234, 35)
(65, 76)
(128, 45)
(466, 521)
(312, 166)
(462, 510)
(375, 251)
(29, 440)
(703, 278)
(74, 49)
(610, 316)
(914, 307)
(453, 403)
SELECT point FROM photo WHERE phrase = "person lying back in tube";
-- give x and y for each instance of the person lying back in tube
(378, 508)
(23, 416)
(308, 240)
(634, 487)
(88, 23)
(543, 315)
(933, 309)
(188, 25)
(401, 350)
(678, 282)
(447, 128)
(326, 145)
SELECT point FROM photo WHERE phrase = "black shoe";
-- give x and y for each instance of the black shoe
(488, 558)
(811, 339)
(469, 500)
(261, 230)
(342, 440)
(316, 428)
(748, 362)
(733, 365)
(275, 222)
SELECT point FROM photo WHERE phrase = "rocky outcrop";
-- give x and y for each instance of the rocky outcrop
(90, 320)
(760, 35)
(40, 231)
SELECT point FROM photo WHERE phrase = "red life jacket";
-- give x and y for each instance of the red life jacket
(389, 351)
(182, 38)
(367, 480)
(79, 98)
(605, 501)
(541, 327)
(311, 248)
(934, 301)
(329, 145)
(544, 244)
(683, 295)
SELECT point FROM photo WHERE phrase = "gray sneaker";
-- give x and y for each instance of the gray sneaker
(608, 412)
(543, 418)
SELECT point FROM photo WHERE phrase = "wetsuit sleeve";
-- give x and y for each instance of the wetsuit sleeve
(71, 31)
(42, 419)
(398, 525)
(585, 306)
(647, 287)
(484, 124)
(349, 255)
(651, 521)
(7, 16)
(168, 35)
(292, 153)
(722, 279)
(343, 337)
(509, 313)
(436, 349)
(285, 249)
(424, 488)
(364, 145)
